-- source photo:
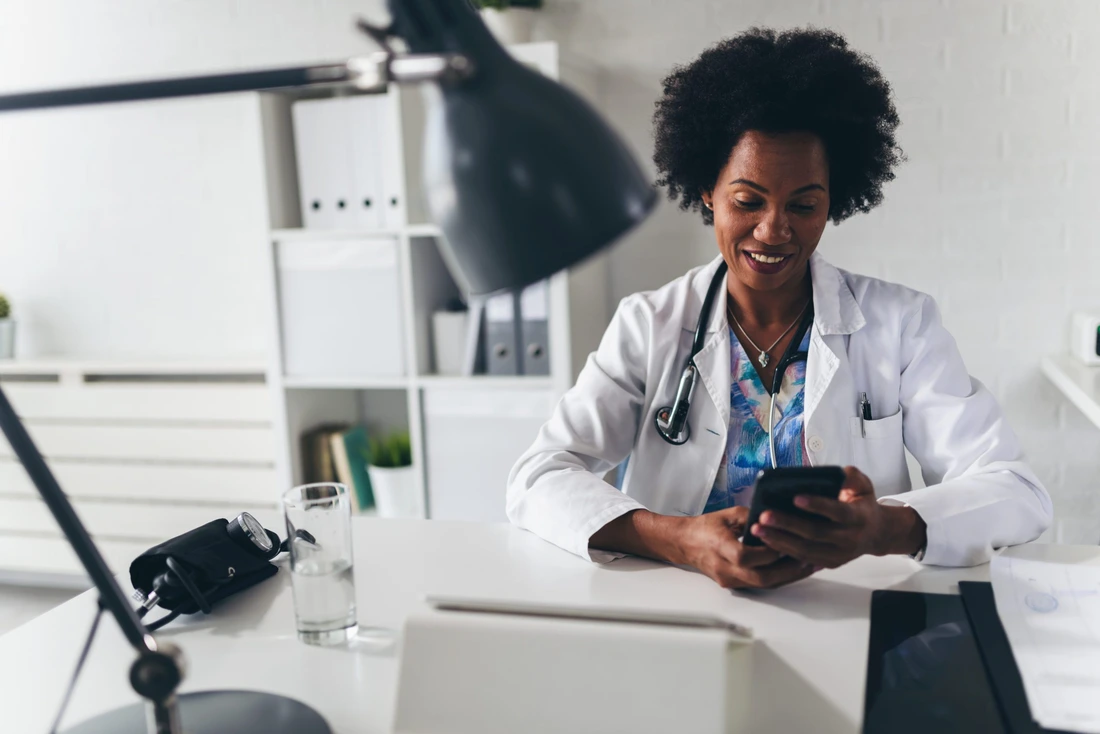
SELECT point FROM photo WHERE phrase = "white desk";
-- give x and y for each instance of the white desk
(812, 636)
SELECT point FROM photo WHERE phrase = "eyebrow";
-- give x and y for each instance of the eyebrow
(762, 190)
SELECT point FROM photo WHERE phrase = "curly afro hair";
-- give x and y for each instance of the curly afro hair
(805, 80)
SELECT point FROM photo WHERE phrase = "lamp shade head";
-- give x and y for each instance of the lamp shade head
(522, 175)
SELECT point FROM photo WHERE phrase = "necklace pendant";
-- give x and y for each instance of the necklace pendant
(763, 359)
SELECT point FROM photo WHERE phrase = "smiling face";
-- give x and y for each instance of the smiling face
(771, 203)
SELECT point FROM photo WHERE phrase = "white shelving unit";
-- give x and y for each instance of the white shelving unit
(1080, 384)
(461, 472)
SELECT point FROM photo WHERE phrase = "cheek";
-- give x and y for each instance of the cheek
(733, 227)
(810, 230)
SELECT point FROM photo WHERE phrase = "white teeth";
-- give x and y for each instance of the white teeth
(765, 259)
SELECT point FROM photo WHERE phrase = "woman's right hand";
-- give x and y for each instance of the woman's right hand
(711, 543)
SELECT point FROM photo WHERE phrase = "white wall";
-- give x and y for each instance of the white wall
(137, 230)
(992, 214)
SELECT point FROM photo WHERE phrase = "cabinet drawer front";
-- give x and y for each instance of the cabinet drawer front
(229, 484)
(30, 554)
(472, 438)
(112, 402)
(150, 524)
(152, 443)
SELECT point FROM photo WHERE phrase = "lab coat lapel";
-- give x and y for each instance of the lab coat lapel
(836, 314)
(713, 361)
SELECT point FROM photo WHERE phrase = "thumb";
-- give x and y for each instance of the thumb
(857, 485)
(736, 517)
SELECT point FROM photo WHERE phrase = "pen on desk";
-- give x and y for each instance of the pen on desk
(864, 413)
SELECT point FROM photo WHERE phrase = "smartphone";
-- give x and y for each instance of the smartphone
(775, 489)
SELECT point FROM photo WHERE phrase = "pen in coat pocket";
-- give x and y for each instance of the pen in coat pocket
(864, 413)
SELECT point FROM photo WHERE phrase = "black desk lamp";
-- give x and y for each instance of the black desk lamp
(524, 178)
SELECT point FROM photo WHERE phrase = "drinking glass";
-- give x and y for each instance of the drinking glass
(318, 524)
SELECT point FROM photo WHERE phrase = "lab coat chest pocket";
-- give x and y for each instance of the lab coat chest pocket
(879, 452)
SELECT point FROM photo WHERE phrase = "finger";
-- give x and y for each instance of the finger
(824, 531)
(834, 510)
(752, 556)
(805, 572)
(856, 481)
(779, 573)
(734, 517)
(806, 551)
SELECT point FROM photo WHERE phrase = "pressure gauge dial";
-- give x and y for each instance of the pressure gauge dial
(247, 530)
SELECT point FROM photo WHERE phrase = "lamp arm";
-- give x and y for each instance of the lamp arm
(370, 73)
(159, 667)
(110, 594)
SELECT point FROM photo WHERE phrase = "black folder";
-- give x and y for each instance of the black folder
(942, 663)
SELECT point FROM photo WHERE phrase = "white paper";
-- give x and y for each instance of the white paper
(1051, 613)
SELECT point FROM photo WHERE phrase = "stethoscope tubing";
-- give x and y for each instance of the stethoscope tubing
(671, 421)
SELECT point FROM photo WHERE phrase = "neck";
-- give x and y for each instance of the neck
(768, 309)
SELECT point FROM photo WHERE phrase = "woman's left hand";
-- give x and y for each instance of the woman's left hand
(848, 527)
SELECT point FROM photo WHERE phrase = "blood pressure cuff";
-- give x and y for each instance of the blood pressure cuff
(217, 564)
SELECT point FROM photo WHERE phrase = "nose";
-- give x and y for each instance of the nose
(773, 227)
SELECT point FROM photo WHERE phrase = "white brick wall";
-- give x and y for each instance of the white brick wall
(994, 213)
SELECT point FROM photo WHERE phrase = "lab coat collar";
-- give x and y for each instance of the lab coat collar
(835, 307)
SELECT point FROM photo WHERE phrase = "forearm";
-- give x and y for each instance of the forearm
(643, 533)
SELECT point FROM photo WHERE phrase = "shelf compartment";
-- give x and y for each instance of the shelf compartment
(1078, 382)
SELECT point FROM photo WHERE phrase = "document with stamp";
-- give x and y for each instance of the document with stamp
(1048, 599)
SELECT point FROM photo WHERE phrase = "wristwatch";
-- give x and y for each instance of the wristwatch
(919, 555)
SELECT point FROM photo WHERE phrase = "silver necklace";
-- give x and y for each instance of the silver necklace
(763, 358)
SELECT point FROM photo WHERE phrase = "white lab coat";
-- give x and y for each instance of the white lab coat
(868, 336)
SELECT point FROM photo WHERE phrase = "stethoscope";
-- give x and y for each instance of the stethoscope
(672, 420)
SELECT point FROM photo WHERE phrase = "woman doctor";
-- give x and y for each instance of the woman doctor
(769, 135)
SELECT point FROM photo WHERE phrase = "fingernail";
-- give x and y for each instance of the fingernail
(818, 568)
(766, 519)
(801, 501)
(759, 531)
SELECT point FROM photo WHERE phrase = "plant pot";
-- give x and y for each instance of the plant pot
(395, 491)
(449, 329)
(7, 339)
(512, 25)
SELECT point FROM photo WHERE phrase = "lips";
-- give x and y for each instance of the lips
(767, 263)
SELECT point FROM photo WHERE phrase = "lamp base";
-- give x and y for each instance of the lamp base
(217, 712)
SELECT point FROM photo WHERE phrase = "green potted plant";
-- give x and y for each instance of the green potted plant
(7, 329)
(509, 20)
(392, 476)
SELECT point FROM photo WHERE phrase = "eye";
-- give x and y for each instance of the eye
(803, 208)
(747, 204)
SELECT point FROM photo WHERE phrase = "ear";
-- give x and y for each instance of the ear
(708, 199)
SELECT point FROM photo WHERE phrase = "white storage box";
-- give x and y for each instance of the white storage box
(449, 336)
(340, 307)
(472, 438)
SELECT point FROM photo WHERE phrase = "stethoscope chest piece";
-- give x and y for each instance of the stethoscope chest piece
(663, 419)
